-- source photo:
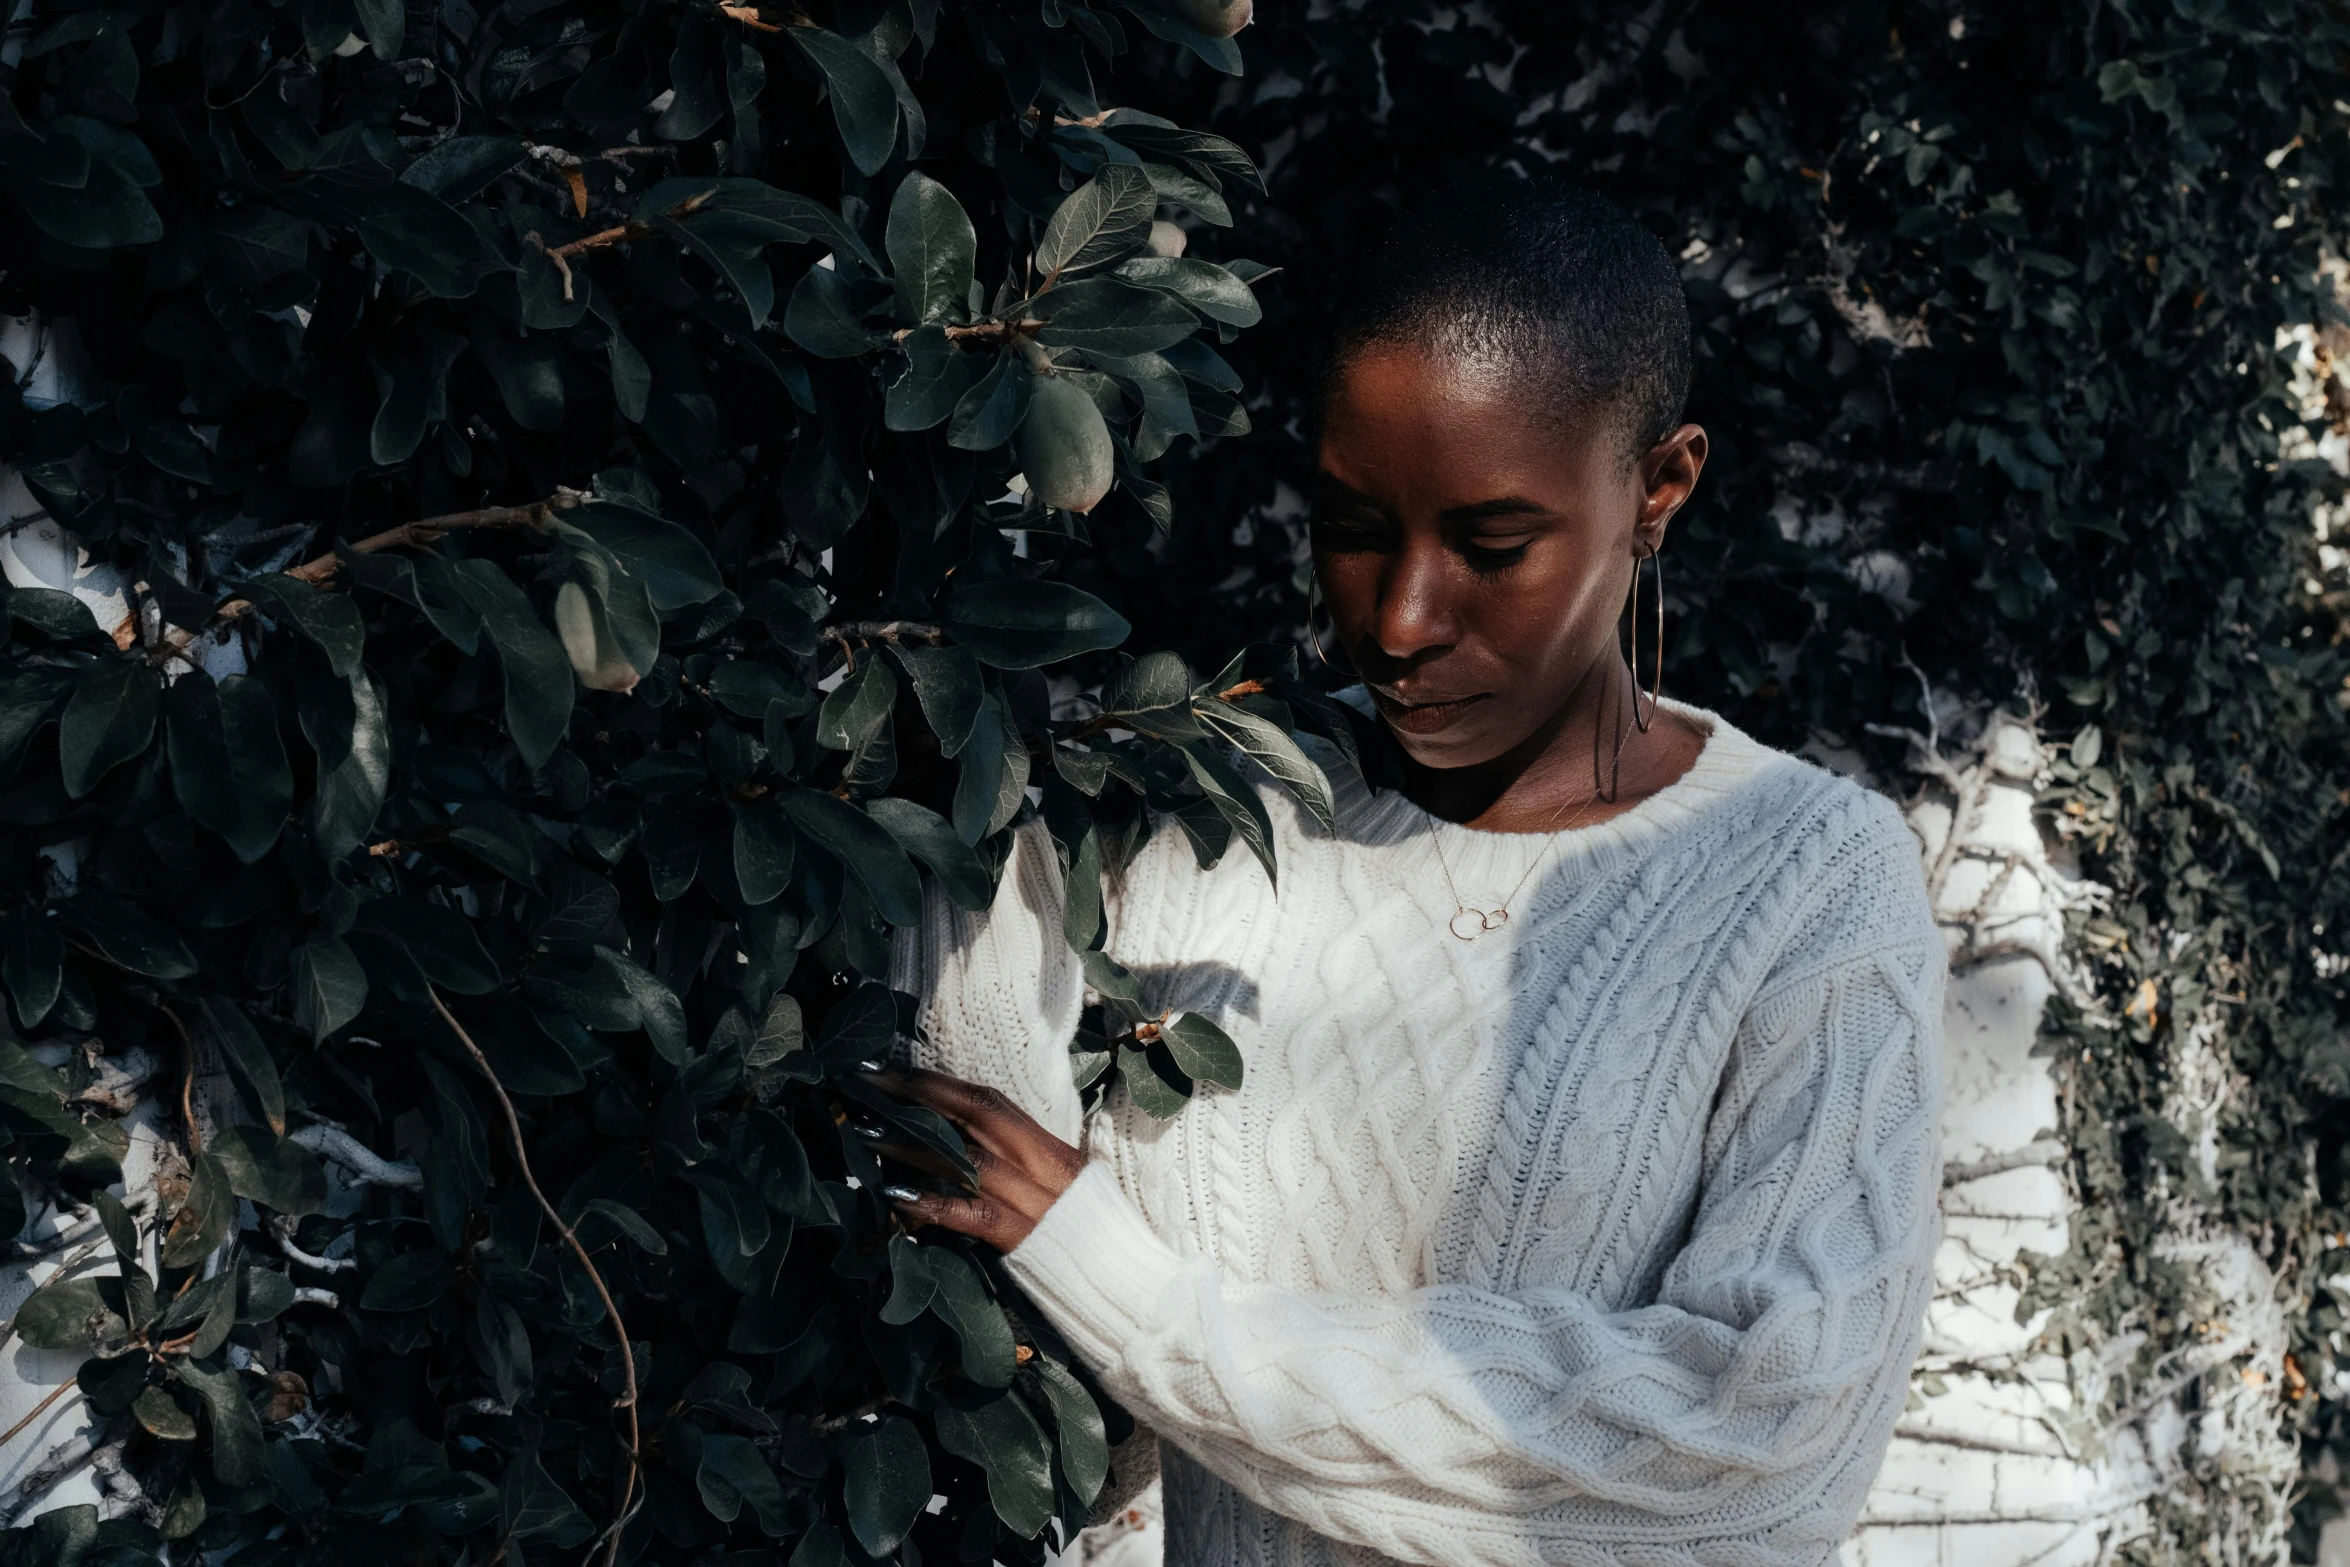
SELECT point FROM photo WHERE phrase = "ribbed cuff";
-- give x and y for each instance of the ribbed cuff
(1095, 1267)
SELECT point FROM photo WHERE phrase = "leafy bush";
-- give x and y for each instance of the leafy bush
(560, 460)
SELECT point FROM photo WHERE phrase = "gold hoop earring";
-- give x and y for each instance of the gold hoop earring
(1657, 653)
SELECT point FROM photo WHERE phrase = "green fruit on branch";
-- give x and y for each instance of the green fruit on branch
(1065, 446)
(1216, 18)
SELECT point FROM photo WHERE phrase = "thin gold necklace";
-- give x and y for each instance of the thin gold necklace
(1467, 924)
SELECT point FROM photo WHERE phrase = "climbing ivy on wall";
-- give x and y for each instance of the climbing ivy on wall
(591, 494)
(1987, 302)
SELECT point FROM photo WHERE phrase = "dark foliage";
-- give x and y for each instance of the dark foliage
(560, 458)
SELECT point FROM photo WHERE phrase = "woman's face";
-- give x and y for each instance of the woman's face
(1476, 552)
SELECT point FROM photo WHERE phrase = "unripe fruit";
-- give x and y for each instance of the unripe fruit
(1065, 446)
(1216, 18)
(1167, 239)
(595, 657)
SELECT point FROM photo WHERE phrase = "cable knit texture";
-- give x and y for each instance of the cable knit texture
(1602, 1240)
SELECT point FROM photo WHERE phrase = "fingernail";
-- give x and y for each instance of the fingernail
(872, 1130)
(873, 1065)
(901, 1194)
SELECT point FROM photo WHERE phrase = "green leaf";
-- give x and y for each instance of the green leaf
(127, 936)
(157, 1411)
(932, 250)
(864, 104)
(1103, 221)
(885, 1480)
(329, 986)
(764, 852)
(352, 791)
(937, 377)
(330, 620)
(822, 318)
(988, 414)
(1107, 315)
(460, 167)
(274, 1171)
(441, 940)
(247, 1057)
(861, 844)
(1014, 624)
(531, 1506)
(410, 1281)
(236, 1445)
(931, 839)
(1204, 286)
(674, 566)
(228, 765)
(1004, 1439)
(949, 686)
(538, 675)
(1077, 1421)
(1155, 1092)
(1205, 1052)
(1271, 747)
(206, 1218)
(77, 1313)
(32, 963)
(982, 770)
(858, 705)
(109, 719)
(1208, 156)
(629, 1223)
(733, 1473)
(108, 212)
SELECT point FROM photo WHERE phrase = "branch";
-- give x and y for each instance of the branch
(626, 1507)
(63, 1460)
(845, 632)
(2044, 1152)
(283, 1228)
(330, 1140)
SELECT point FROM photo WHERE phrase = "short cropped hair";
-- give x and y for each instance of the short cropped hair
(1548, 282)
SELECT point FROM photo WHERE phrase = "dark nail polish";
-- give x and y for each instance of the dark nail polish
(901, 1194)
(873, 1065)
(872, 1130)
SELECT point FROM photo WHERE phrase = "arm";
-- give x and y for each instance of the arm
(1736, 1421)
(1001, 990)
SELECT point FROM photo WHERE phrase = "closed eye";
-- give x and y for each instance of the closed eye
(1485, 555)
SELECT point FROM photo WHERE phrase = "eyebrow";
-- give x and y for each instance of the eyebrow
(1499, 506)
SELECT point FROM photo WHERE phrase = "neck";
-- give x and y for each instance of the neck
(1566, 773)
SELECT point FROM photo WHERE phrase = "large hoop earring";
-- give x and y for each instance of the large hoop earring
(1657, 653)
(1313, 595)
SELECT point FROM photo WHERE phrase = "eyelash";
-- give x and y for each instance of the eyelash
(1485, 560)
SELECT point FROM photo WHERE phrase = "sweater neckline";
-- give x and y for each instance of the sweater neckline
(1725, 762)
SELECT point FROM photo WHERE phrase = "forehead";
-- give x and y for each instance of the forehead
(1411, 419)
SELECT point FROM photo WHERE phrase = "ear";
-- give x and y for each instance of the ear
(1667, 474)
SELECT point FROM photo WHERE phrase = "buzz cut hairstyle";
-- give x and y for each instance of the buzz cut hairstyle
(1548, 284)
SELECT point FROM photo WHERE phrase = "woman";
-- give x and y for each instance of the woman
(1579, 1204)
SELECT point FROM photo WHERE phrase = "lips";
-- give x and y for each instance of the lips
(1423, 718)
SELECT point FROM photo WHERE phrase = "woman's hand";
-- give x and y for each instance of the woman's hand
(1021, 1167)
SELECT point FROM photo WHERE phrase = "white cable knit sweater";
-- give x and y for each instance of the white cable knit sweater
(1602, 1240)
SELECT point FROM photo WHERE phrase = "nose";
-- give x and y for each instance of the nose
(1414, 616)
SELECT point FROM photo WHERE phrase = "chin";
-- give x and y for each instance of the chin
(1462, 743)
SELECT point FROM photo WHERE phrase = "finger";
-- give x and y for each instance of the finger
(997, 1177)
(992, 1118)
(981, 1218)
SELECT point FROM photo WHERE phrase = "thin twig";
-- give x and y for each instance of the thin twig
(54, 1394)
(611, 1311)
(187, 1082)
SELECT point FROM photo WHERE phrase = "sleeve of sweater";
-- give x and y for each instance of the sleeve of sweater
(1001, 990)
(1736, 1421)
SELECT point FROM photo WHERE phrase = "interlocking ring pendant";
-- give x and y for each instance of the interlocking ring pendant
(1468, 924)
